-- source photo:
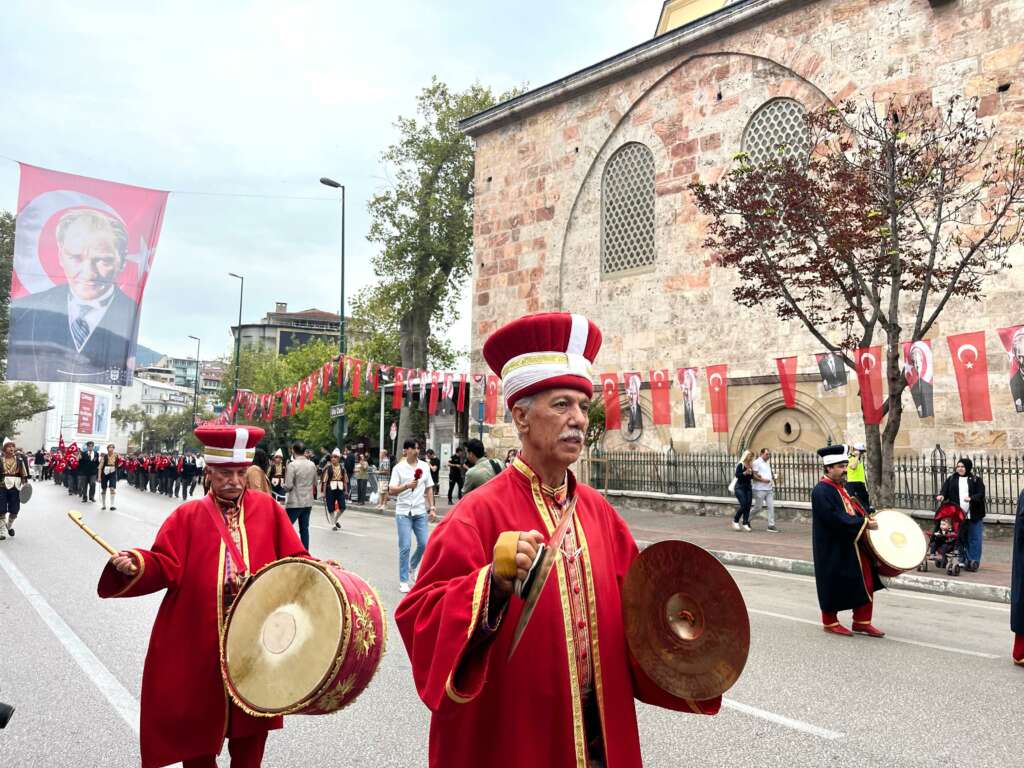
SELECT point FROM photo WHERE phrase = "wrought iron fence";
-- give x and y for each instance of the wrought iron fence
(917, 479)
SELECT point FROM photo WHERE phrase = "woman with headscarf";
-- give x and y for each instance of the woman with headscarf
(966, 490)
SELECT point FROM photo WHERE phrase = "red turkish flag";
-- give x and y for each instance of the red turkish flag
(661, 407)
(610, 394)
(357, 376)
(971, 367)
(396, 392)
(869, 376)
(434, 393)
(718, 394)
(460, 406)
(491, 403)
(787, 379)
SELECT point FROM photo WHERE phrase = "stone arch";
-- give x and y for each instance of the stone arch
(804, 62)
(809, 414)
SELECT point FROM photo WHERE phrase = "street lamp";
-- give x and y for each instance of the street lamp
(342, 426)
(238, 336)
(195, 397)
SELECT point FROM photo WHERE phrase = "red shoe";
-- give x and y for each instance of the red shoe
(868, 629)
(838, 629)
(1018, 650)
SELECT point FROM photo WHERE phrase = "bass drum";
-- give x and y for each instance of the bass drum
(302, 637)
(898, 545)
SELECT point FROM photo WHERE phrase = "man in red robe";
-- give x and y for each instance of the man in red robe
(200, 554)
(567, 693)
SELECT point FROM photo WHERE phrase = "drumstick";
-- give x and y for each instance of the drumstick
(76, 518)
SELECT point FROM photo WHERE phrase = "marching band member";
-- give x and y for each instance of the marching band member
(15, 475)
(334, 484)
(845, 575)
(1017, 585)
(201, 553)
(569, 688)
(106, 472)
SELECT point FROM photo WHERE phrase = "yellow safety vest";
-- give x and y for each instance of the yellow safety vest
(856, 474)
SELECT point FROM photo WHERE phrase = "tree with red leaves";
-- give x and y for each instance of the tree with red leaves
(900, 208)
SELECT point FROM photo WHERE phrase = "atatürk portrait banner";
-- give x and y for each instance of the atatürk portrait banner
(83, 249)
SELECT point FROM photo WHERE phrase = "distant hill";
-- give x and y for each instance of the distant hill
(145, 357)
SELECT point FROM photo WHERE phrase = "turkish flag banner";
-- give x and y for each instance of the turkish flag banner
(448, 394)
(787, 379)
(919, 372)
(687, 380)
(661, 407)
(491, 402)
(357, 376)
(868, 363)
(434, 393)
(971, 368)
(610, 396)
(718, 394)
(1013, 342)
(397, 392)
(460, 406)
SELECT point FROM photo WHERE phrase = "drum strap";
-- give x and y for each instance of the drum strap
(218, 522)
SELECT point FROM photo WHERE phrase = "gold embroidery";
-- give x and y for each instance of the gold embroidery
(595, 650)
(336, 699)
(366, 635)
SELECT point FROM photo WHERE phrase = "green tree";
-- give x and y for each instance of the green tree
(19, 402)
(6, 269)
(162, 432)
(424, 222)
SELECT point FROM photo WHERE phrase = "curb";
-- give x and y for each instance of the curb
(911, 582)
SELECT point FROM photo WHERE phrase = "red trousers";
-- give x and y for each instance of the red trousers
(245, 753)
(862, 613)
(1018, 649)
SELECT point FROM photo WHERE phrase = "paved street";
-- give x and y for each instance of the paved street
(940, 690)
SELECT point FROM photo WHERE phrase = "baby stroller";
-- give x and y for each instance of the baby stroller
(946, 548)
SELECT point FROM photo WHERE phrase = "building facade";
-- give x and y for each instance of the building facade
(281, 330)
(582, 201)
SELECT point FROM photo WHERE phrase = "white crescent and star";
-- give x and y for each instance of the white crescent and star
(864, 362)
(712, 380)
(960, 355)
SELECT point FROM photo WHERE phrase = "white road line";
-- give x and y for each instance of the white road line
(902, 593)
(786, 722)
(120, 699)
(933, 646)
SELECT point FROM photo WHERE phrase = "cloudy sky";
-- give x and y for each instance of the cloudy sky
(215, 100)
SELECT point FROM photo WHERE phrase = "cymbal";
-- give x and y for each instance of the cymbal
(686, 621)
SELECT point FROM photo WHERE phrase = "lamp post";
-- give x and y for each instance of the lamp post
(341, 426)
(195, 397)
(238, 335)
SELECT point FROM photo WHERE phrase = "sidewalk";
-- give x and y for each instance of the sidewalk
(790, 550)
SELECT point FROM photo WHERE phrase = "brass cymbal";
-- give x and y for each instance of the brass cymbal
(686, 621)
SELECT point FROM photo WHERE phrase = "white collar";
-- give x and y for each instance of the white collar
(98, 304)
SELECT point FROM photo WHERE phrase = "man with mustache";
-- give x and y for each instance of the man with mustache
(568, 690)
(201, 554)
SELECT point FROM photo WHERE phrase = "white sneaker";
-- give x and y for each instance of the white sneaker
(403, 586)
(746, 528)
(735, 526)
(413, 573)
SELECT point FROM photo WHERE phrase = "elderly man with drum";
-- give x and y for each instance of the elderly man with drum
(845, 575)
(201, 555)
(566, 695)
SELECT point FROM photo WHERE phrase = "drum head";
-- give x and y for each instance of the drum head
(286, 629)
(25, 493)
(899, 542)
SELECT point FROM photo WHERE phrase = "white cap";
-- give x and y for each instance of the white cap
(859, 447)
(7, 441)
(335, 452)
(834, 454)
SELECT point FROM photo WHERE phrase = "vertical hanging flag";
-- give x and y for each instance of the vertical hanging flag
(971, 368)
(610, 396)
(398, 391)
(1013, 342)
(832, 369)
(718, 394)
(491, 403)
(410, 383)
(634, 415)
(448, 395)
(460, 405)
(869, 378)
(787, 379)
(325, 376)
(357, 376)
(423, 390)
(920, 372)
(434, 393)
(687, 379)
(661, 408)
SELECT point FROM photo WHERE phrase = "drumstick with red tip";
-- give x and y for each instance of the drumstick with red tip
(76, 518)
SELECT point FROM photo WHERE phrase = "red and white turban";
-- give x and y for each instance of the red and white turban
(228, 446)
(551, 350)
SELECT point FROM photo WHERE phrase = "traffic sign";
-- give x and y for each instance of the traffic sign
(337, 411)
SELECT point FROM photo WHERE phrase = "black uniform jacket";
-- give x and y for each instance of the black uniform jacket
(1017, 578)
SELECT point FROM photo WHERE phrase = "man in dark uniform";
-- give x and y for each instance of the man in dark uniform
(189, 474)
(845, 576)
(1017, 585)
(88, 466)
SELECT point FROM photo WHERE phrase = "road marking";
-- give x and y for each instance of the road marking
(896, 592)
(343, 530)
(786, 722)
(123, 702)
(920, 643)
(136, 519)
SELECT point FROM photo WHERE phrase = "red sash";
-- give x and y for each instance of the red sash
(218, 522)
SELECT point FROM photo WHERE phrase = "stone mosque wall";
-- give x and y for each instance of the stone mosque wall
(647, 281)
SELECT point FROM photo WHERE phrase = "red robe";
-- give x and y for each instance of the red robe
(481, 702)
(184, 703)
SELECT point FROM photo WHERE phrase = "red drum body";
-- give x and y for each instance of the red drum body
(302, 637)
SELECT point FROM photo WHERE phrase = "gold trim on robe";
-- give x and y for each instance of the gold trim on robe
(474, 621)
(134, 579)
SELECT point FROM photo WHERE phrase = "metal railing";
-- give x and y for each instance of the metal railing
(917, 479)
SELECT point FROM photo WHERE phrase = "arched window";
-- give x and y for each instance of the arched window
(777, 129)
(627, 210)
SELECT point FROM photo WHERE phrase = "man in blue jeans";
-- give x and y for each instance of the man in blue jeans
(300, 483)
(413, 490)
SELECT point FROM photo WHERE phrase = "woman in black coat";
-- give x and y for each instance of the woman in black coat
(965, 489)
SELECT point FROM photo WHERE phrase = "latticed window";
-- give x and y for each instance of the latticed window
(778, 129)
(627, 209)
